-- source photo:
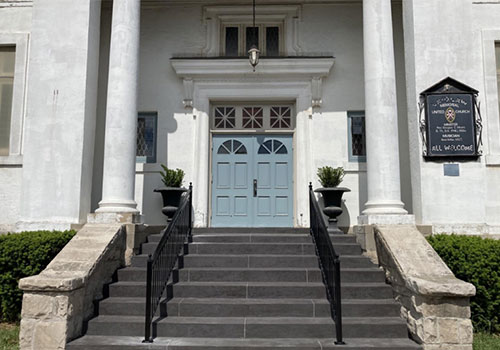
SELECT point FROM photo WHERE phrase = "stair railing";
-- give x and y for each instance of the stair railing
(162, 262)
(329, 262)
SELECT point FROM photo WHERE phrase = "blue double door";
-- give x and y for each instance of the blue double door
(252, 181)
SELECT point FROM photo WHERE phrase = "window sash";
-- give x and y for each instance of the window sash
(242, 37)
(147, 134)
(352, 128)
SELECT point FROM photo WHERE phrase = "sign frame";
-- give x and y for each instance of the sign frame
(462, 124)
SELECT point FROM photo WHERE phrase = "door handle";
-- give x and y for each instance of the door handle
(255, 187)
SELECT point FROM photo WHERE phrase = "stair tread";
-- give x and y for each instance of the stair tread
(137, 300)
(311, 343)
(250, 320)
(347, 269)
(284, 284)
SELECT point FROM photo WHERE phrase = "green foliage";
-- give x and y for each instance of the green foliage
(330, 177)
(170, 177)
(22, 255)
(483, 341)
(9, 336)
(475, 260)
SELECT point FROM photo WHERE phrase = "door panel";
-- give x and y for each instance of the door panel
(238, 161)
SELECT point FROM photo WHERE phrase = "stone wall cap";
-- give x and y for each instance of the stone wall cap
(423, 272)
(47, 283)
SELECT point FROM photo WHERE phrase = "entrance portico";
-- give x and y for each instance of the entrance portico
(384, 203)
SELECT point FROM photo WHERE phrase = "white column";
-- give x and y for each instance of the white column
(384, 191)
(121, 114)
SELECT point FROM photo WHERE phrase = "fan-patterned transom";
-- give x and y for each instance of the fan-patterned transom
(232, 147)
(281, 117)
(253, 117)
(225, 117)
(246, 117)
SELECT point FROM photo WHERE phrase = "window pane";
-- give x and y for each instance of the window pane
(5, 112)
(146, 139)
(7, 61)
(358, 136)
(272, 41)
(252, 34)
(232, 41)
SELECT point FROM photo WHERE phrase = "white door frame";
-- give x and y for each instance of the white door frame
(207, 91)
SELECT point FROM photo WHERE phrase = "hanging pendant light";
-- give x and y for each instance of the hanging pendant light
(254, 52)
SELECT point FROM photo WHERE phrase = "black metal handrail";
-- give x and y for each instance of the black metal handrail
(162, 262)
(329, 262)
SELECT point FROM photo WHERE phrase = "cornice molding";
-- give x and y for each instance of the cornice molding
(312, 70)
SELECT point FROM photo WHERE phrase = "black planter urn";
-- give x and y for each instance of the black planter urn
(332, 198)
(171, 198)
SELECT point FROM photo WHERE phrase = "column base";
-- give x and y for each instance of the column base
(115, 217)
(386, 219)
(117, 206)
(385, 207)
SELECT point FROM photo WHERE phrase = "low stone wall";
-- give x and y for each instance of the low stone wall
(434, 303)
(58, 300)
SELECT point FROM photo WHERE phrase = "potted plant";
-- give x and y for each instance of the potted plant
(330, 178)
(172, 192)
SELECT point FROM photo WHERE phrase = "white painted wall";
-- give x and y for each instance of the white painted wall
(178, 30)
(445, 38)
(14, 21)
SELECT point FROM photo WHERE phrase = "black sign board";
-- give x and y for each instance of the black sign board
(450, 128)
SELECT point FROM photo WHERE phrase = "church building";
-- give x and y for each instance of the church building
(250, 98)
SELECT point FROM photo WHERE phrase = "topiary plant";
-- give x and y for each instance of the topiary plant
(172, 178)
(330, 177)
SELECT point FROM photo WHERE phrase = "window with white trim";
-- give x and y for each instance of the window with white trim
(248, 116)
(146, 137)
(357, 136)
(7, 65)
(237, 39)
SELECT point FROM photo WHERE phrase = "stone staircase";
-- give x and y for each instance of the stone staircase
(251, 289)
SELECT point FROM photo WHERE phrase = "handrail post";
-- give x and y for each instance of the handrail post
(190, 211)
(149, 276)
(338, 303)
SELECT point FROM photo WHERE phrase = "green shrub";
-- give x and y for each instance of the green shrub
(330, 177)
(475, 260)
(170, 177)
(21, 255)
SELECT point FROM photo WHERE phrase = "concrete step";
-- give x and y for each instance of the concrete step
(250, 327)
(160, 343)
(258, 248)
(250, 230)
(221, 274)
(255, 290)
(259, 238)
(218, 307)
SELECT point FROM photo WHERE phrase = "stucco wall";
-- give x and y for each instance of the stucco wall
(444, 38)
(13, 20)
(179, 30)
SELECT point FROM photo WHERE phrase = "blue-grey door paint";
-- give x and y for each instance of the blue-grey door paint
(252, 181)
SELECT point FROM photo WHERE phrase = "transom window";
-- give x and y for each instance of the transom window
(252, 117)
(237, 39)
(7, 64)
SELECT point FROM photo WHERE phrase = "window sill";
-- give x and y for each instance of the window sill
(14, 160)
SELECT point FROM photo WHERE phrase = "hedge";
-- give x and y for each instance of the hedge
(21, 255)
(475, 260)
